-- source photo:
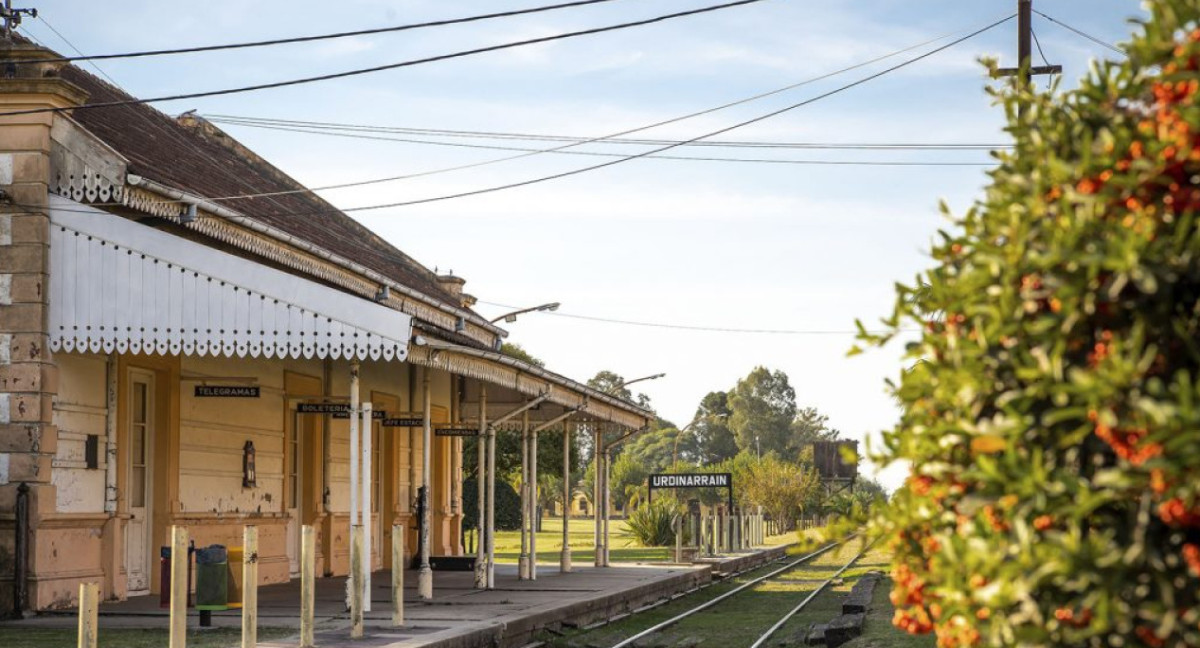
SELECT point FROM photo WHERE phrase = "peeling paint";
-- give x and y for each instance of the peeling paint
(6, 169)
(5, 229)
(6, 288)
(4, 467)
(5, 348)
(5, 414)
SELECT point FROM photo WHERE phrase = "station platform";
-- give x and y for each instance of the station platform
(458, 616)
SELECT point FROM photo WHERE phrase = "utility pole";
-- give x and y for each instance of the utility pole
(1025, 70)
(12, 17)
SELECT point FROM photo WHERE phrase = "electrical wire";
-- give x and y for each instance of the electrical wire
(1084, 34)
(688, 327)
(307, 39)
(390, 66)
(381, 138)
(753, 120)
(665, 122)
(441, 132)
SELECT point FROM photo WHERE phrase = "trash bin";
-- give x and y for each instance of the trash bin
(234, 599)
(212, 578)
(164, 575)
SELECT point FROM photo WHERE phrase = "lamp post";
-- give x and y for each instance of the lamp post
(512, 317)
(616, 388)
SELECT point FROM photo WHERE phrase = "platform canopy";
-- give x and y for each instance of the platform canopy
(117, 285)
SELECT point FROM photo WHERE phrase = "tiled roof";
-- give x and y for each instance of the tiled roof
(198, 158)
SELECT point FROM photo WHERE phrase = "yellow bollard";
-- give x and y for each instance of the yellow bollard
(179, 584)
(356, 590)
(398, 575)
(308, 568)
(89, 604)
(250, 587)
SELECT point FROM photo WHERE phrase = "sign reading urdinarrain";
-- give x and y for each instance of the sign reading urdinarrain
(691, 480)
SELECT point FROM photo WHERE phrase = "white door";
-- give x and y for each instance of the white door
(294, 488)
(138, 547)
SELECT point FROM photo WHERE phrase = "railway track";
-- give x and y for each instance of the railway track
(749, 586)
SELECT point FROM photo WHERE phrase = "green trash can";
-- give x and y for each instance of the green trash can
(212, 578)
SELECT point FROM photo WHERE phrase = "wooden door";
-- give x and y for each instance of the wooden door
(140, 479)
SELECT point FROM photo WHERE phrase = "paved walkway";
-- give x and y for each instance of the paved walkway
(458, 616)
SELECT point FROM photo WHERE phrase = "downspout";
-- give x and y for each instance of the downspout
(280, 235)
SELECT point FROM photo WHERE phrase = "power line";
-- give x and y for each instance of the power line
(390, 66)
(441, 132)
(664, 122)
(1084, 34)
(689, 327)
(754, 120)
(898, 163)
(306, 39)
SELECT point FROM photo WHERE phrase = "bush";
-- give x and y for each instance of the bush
(1052, 409)
(508, 506)
(652, 525)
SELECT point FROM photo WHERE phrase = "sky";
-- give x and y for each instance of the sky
(803, 248)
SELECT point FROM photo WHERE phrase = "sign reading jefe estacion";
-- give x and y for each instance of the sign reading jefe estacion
(691, 480)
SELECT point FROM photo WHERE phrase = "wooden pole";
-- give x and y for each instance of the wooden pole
(356, 594)
(398, 575)
(89, 607)
(179, 593)
(308, 568)
(250, 586)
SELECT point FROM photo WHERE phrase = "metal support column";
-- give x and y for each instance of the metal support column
(481, 496)
(564, 559)
(425, 574)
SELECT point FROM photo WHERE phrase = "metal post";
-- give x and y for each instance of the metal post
(250, 587)
(564, 560)
(179, 587)
(356, 607)
(308, 572)
(533, 500)
(398, 575)
(597, 478)
(481, 496)
(491, 508)
(523, 558)
(365, 502)
(678, 526)
(425, 574)
(607, 505)
(89, 607)
(352, 580)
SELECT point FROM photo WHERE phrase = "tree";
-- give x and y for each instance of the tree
(612, 383)
(517, 351)
(780, 487)
(712, 439)
(1049, 413)
(810, 426)
(762, 407)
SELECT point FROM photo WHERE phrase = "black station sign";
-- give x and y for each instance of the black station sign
(338, 410)
(227, 391)
(456, 431)
(691, 480)
(404, 421)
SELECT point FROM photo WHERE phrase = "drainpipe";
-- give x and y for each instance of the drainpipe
(21, 546)
(110, 435)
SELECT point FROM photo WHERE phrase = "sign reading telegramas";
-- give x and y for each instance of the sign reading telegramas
(691, 480)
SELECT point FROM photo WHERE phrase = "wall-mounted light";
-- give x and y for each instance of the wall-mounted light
(249, 471)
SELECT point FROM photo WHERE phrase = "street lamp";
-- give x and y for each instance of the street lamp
(630, 382)
(512, 317)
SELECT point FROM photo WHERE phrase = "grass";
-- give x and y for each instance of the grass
(878, 631)
(624, 548)
(738, 621)
(549, 544)
(12, 637)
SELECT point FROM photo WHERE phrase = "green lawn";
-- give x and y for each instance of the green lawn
(17, 637)
(549, 544)
(624, 548)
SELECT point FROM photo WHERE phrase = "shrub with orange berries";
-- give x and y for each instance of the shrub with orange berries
(1051, 408)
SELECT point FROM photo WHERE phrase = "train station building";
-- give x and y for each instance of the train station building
(174, 353)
